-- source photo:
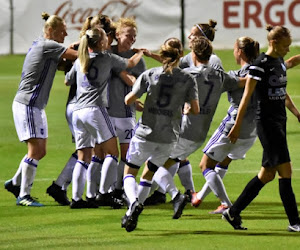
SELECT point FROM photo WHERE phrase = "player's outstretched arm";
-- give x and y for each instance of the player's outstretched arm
(292, 62)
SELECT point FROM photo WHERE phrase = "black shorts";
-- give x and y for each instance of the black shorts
(272, 136)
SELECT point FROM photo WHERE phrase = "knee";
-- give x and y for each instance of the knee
(38, 155)
(42, 153)
(202, 166)
(266, 177)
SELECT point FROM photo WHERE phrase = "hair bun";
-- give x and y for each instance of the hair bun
(45, 16)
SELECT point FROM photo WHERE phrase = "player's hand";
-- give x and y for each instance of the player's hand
(139, 50)
(233, 134)
(147, 52)
(139, 106)
(186, 108)
(74, 45)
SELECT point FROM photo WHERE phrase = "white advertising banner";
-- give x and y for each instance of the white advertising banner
(237, 18)
(157, 20)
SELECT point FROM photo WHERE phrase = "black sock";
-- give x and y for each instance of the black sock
(249, 193)
(288, 200)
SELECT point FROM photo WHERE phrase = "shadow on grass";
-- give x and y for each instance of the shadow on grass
(166, 233)
(212, 205)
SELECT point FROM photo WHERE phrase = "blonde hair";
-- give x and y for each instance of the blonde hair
(170, 52)
(125, 22)
(277, 32)
(202, 48)
(52, 21)
(89, 40)
(207, 29)
(249, 47)
(100, 20)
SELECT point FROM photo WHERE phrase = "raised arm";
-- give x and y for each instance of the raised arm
(70, 54)
(154, 56)
(249, 89)
(134, 60)
(292, 62)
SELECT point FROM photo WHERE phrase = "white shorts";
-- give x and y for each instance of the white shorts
(184, 148)
(30, 122)
(124, 128)
(218, 148)
(69, 117)
(141, 150)
(91, 125)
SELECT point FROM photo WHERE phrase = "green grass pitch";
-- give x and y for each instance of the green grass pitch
(57, 227)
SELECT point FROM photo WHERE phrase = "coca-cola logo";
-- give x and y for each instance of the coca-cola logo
(75, 16)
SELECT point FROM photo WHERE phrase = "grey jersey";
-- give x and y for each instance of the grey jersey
(38, 72)
(248, 128)
(211, 84)
(92, 87)
(118, 89)
(166, 95)
(187, 62)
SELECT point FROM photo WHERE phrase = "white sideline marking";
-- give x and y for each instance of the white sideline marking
(196, 174)
(10, 77)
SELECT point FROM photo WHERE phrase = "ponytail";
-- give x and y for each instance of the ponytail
(170, 52)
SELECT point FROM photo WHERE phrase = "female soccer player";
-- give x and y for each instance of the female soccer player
(123, 116)
(58, 189)
(211, 84)
(218, 148)
(30, 101)
(167, 88)
(206, 30)
(91, 123)
(184, 168)
(267, 77)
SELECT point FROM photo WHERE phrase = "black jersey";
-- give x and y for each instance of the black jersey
(270, 74)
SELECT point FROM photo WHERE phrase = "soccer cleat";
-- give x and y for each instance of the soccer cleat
(58, 194)
(91, 202)
(118, 193)
(155, 199)
(129, 222)
(189, 194)
(219, 210)
(125, 200)
(194, 200)
(179, 203)
(78, 204)
(108, 200)
(235, 221)
(294, 228)
(15, 190)
(28, 201)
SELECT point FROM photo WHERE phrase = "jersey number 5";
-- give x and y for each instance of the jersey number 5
(164, 97)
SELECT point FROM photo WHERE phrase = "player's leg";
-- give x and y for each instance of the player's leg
(213, 180)
(36, 151)
(287, 196)
(79, 177)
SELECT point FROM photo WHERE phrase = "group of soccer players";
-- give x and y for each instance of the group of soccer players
(181, 98)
